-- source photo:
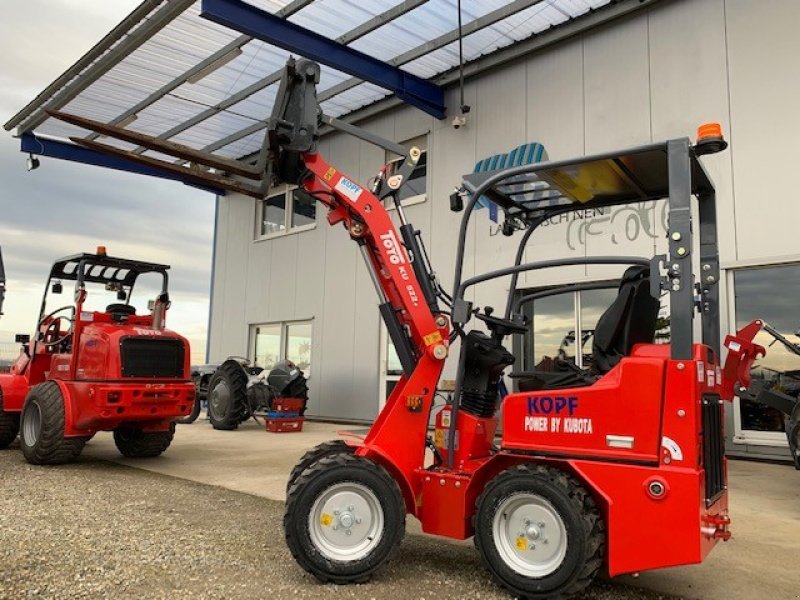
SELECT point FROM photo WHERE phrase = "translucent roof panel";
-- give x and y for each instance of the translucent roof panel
(176, 75)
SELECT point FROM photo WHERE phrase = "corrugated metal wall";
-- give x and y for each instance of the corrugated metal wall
(653, 76)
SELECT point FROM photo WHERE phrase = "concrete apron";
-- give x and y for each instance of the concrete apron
(760, 561)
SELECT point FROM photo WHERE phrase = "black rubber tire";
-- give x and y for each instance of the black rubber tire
(318, 452)
(314, 481)
(581, 516)
(134, 443)
(192, 416)
(229, 415)
(50, 447)
(9, 428)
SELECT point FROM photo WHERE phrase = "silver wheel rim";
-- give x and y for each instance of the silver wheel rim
(32, 424)
(530, 535)
(346, 522)
(218, 397)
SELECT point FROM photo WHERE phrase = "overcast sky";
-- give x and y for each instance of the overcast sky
(64, 208)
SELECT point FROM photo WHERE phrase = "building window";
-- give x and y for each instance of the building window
(555, 319)
(415, 189)
(273, 342)
(286, 211)
(754, 298)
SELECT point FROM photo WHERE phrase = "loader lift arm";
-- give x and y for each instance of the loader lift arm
(407, 289)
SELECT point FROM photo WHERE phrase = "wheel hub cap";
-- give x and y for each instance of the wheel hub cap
(219, 398)
(346, 522)
(530, 535)
(32, 424)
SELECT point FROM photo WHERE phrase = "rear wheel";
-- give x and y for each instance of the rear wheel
(9, 427)
(227, 396)
(345, 518)
(539, 532)
(42, 428)
(135, 443)
(316, 453)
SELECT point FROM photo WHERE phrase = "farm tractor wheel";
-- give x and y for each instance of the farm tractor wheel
(316, 453)
(345, 518)
(539, 532)
(42, 428)
(135, 443)
(227, 396)
(9, 427)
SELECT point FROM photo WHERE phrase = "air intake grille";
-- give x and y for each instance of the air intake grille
(147, 357)
(713, 447)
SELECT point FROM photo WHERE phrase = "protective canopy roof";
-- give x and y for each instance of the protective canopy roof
(166, 71)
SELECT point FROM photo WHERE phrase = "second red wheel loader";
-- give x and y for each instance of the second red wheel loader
(93, 368)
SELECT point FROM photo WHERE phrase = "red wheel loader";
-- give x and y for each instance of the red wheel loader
(92, 367)
(619, 468)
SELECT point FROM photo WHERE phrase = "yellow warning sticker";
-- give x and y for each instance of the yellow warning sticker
(432, 338)
(326, 519)
(438, 438)
(329, 174)
(522, 543)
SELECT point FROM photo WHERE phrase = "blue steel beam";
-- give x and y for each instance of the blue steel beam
(30, 144)
(259, 24)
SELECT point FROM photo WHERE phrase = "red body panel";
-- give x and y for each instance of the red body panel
(626, 403)
(96, 395)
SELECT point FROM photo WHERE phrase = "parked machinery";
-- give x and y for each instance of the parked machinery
(621, 469)
(236, 390)
(90, 368)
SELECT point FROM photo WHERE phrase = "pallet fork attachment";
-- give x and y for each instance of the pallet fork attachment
(737, 379)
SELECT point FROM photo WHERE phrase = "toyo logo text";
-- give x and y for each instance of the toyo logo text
(555, 414)
(389, 241)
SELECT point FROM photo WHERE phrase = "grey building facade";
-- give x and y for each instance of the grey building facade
(286, 284)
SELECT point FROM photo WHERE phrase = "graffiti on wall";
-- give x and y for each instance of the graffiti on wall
(619, 224)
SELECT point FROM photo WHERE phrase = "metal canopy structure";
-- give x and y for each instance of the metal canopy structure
(204, 73)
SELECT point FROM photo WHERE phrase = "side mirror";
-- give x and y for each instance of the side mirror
(57, 288)
(22, 338)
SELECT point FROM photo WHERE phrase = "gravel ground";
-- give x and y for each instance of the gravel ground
(101, 530)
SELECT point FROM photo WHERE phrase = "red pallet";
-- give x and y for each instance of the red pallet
(287, 405)
(284, 425)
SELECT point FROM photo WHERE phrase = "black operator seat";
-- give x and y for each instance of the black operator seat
(120, 312)
(630, 320)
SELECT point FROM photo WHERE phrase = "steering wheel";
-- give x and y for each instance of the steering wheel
(54, 326)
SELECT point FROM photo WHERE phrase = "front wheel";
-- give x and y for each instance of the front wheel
(345, 518)
(318, 452)
(135, 443)
(539, 532)
(42, 427)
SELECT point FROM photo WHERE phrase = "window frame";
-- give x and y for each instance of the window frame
(742, 436)
(283, 344)
(289, 229)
